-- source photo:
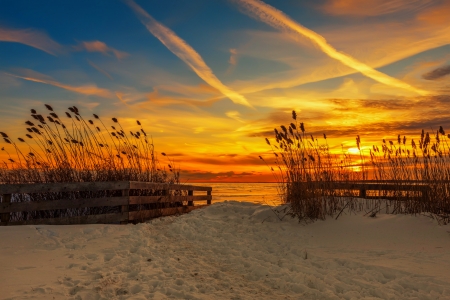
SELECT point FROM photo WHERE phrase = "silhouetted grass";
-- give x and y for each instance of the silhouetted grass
(308, 172)
(70, 148)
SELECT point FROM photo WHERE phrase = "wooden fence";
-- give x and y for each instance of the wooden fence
(365, 189)
(170, 199)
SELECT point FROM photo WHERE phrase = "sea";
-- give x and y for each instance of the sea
(261, 193)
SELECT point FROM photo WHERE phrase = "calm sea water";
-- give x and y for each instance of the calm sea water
(262, 193)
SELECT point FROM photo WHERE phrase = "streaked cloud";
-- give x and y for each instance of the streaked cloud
(88, 90)
(159, 99)
(32, 38)
(186, 53)
(98, 46)
(234, 115)
(100, 69)
(279, 20)
(383, 46)
(437, 15)
(372, 7)
(437, 73)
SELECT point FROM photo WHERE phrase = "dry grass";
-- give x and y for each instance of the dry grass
(308, 173)
(80, 150)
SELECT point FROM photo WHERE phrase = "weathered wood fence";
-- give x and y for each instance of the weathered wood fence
(170, 199)
(365, 189)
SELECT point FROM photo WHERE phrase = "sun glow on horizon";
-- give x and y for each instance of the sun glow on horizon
(211, 81)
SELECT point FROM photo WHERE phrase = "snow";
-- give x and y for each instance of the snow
(229, 250)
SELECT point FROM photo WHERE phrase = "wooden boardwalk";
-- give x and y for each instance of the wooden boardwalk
(164, 203)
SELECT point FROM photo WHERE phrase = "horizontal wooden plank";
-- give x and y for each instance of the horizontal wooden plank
(162, 186)
(91, 219)
(367, 186)
(63, 187)
(93, 186)
(62, 204)
(155, 213)
(400, 198)
(166, 199)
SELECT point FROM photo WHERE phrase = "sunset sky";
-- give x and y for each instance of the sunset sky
(210, 79)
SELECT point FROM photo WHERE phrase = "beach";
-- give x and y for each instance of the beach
(230, 250)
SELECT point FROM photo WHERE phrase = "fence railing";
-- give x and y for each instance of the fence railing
(129, 201)
(361, 189)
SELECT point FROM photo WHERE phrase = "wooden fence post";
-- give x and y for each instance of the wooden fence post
(362, 193)
(126, 208)
(5, 216)
(208, 193)
(190, 202)
(425, 193)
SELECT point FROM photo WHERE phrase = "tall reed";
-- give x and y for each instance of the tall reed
(71, 148)
(308, 174)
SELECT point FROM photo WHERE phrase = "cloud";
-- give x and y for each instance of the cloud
(233, 57)
(199, 175)
(100, 69)
(88, 90)
(32, 38)
(437, 73)
(234, 115)
(98, 46)
(156, 98)
(383, 46)
(186, 53)
(372, 7)
(279, 20)
(437, 15)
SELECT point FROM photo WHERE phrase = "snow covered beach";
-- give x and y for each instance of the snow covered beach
(230, 250)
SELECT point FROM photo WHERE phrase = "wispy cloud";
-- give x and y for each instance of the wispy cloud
(234, 115)
(32, 38)
(88, 90)
(437, 15)
(371, 7)
(437, 73)
(186, 53)
(233, 57)
(279, 20)
(98, 46)
(156, 98)
(100, 69)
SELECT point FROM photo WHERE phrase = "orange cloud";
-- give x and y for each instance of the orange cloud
(186, 53)
(97, 46)
(438, 15)
(88, 90)
(32, 38)
(372, 7)
(279, 20)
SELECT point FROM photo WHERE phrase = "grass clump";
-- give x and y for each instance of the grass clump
(318, 183)
(70, 148)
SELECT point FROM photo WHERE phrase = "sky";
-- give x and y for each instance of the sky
(210, 80)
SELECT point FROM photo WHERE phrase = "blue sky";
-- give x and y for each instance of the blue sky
(211, 79)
